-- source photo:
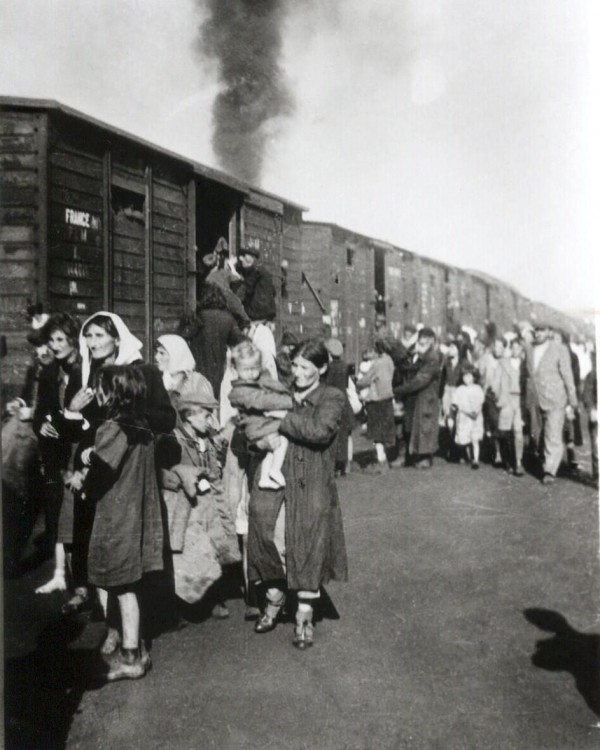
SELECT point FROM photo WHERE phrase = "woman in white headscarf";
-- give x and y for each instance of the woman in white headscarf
(176, 362)
(104, 339)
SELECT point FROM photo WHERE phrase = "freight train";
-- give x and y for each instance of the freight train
(93, 218)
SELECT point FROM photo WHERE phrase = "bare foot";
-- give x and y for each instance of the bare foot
(111, 642)
(58, 583)
(277, 477)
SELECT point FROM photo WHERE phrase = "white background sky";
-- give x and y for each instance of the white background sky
(460, 129)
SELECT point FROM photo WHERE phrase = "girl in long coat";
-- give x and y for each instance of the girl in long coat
(315, 546)
(127, 534)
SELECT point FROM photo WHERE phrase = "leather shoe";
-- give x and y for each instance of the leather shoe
(303, 636)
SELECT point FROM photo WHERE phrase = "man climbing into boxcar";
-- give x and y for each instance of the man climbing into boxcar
(256, 291)
(258, 297)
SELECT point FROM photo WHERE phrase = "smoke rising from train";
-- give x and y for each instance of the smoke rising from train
(244, 37)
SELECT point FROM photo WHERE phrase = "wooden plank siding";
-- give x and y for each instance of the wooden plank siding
(262, 229)
(310, 268)
(76, 225)
(171, 233)
(22, 236)
(395, 290)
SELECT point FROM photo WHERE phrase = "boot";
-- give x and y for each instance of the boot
(268, 620)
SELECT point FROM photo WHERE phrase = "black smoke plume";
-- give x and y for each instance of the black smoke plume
(245, 38)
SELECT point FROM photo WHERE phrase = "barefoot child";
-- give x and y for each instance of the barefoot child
(253, 394)
(127, 539)
(468, 403)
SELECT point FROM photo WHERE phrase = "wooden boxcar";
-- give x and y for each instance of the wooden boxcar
(94, 218)
(272, 226)
(335, 280)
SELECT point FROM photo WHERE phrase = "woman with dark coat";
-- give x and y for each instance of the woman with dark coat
(315, 546)
(61, 333)
(210, 333)
(337, 377)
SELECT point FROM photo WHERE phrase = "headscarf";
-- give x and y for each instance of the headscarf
(128, 350)
(181, 358)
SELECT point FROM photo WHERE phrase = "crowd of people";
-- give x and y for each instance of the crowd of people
(522, 393)
(220, 455)
(215, 457)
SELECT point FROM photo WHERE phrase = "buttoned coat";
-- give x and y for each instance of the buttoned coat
(422, 403)
(552, 384)
(314, 534)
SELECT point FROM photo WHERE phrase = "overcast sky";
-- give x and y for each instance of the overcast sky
(460, 129)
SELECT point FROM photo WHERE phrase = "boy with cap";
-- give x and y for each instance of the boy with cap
(201, 525)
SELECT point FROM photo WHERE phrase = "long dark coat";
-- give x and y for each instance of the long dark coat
(422, 404)
(314, 534)
(337, 377)
(127, 534)
(216, 330)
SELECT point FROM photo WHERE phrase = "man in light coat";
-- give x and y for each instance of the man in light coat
(553, 396)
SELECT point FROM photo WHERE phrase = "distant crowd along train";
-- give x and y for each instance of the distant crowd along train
(94, 218)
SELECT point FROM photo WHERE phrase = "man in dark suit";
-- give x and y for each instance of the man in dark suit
(420, 393)
(553, 396)
(257, 291)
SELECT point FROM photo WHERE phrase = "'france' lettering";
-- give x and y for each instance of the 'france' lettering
(77, 218)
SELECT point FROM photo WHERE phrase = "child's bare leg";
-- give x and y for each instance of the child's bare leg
(475, 449)
(58, 582)
(130, 619)
(278, 458)
(518, 435)
(265, 482)
(113, 637)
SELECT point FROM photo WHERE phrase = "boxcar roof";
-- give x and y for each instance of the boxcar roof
(492, 280)
(200, 170)
(372, 240)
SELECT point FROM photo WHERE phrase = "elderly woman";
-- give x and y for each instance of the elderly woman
(104, 339)
(315, 546)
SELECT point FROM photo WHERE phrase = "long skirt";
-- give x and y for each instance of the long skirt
(380, 421)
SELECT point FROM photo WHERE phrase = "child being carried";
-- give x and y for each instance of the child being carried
(255, 394)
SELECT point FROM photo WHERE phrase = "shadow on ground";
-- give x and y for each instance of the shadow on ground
(568, 650)
(43, 689)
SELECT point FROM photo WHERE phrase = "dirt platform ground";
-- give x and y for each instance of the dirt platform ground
(470, 621)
